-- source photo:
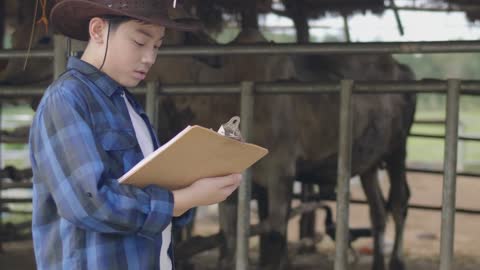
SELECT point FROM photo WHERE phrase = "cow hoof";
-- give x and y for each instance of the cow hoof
(307, 248)
(224, 264)
(397, 264)
(378, 265)
(184, 266)
(275, 263)
(283, 265)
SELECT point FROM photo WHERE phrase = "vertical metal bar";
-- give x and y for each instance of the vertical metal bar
(461, 156)
(244, 192)
(343, 175)
(346, 29)
(450, 175)
(1, 180)
(397, 17)
(59, 55)
(3, 22)
(151, 99)
(69, 47)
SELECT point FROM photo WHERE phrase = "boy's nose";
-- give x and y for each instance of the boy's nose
(149, 58)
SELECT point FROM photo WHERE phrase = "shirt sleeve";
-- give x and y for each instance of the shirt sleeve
(67, 159)
(184, 219)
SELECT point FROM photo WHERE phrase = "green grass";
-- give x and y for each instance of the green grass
(16, 218)
(8, 112)
(17, 163)
(15, 146)
(14, 110)
(432, 150)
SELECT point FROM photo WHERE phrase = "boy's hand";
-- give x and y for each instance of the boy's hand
(208, 191)
(205, 191)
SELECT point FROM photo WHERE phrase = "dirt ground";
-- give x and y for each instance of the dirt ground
(422, 238)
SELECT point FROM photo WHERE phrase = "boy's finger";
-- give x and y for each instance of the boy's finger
(230, 189)
(232, 186)
(230, 180)
(236, 184)
(237, 177)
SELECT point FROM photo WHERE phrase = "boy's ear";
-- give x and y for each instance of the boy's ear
(98, 30)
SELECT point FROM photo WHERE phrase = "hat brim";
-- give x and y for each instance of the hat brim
(72, 18)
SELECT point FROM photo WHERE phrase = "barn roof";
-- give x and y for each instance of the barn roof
(211, 11)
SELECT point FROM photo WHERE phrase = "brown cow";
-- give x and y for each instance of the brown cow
(301, 132)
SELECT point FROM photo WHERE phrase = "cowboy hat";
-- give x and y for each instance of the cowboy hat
(72, 17)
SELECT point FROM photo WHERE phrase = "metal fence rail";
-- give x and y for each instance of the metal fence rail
(440, 86)
(315, 48)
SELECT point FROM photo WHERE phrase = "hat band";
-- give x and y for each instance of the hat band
(135, 4)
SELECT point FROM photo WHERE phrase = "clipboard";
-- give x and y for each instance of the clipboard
(195, 153)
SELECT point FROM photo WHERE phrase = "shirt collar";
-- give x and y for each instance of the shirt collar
(101, 79)
(129, 96)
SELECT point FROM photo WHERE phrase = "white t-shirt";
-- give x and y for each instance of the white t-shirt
(146, 144)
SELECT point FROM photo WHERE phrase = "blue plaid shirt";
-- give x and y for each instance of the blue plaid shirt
(81, 141)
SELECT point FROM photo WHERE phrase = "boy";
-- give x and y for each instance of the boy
(88, 131)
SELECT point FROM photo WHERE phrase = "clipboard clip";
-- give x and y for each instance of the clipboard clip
(231, 129)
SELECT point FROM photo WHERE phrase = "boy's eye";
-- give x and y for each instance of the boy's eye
(138, 43)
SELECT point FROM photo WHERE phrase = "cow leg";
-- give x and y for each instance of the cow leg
(398, 204)
(307, 221)
(279, 198)
(184, 234)
(262, 201)
(228, 228)
(377, 215)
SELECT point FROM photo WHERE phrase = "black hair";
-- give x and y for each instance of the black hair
(116, 21)
(113, 23)
(106, 48)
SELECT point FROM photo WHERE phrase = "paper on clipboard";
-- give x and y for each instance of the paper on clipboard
(194, 153)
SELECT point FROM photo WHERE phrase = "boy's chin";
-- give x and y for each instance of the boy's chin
(131, 84)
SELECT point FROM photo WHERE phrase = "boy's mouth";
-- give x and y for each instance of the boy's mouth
(140, 74)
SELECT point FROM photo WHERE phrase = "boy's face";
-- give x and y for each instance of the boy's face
(132, 50)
